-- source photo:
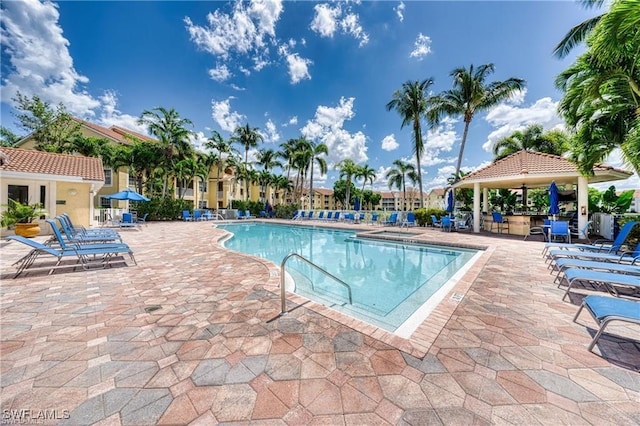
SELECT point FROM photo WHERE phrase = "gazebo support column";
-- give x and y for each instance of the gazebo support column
(485, 199)
(583, 204)
(476, 207)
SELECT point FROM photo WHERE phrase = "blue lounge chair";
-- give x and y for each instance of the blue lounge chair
(88, 256)
(605, 309)
(81, 230)
(321, 215)
(374, 219)
(606, 246)
(435, 222)
(609, 280)
(84, 238)
(127, 221)
(240, 215)
(248, 215)
(393, 219)
(197, 215)
(186, 215)
(631, 257)
(567, 262)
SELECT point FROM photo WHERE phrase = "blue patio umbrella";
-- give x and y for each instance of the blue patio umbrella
(127, 195)
(356, 204)
(554, 207)
(450, 201)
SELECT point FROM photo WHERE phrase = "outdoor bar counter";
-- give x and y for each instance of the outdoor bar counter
(519, 224)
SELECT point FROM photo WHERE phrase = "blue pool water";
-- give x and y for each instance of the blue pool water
(389, 281)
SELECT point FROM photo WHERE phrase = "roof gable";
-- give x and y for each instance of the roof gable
(47, 163)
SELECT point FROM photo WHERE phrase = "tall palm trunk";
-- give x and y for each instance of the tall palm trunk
(418, 133)
(462, 144)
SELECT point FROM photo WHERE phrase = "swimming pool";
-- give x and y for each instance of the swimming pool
(389, 281)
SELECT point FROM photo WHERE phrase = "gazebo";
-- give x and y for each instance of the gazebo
(534, 169)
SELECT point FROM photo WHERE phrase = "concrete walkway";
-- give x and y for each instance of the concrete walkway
(191, 336)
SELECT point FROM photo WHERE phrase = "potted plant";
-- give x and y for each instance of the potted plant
(22, 217)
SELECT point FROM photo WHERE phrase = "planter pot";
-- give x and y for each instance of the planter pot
(27, 230)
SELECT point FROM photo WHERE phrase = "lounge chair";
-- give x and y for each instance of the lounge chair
(605, 309)
(186, 215)
(393, 220)
(410, 220)
(567, 262)
(197, 215)
(81, 230)
(602, 245)
(435, 222)
(84, 238)
(87, 255)
(631, 257)
(248, 215)
(240, 215)
(609, 280)
(127, 221)
(374, 219)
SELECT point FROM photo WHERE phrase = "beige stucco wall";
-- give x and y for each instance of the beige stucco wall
(77, 201)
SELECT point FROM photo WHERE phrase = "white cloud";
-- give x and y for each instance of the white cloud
(39, 57)
(327, 127)
(389, 143)
(111, 116)
(220, 73)
(271, 134)
(507, 118)
(440, 138)
(221, 113)
(350, 24)
(422, 47)
(399, 9)
(327, 20)
(298, 67)
(293, 120)
(198, 139)
(247, 31)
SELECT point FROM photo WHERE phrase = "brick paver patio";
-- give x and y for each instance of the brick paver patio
(191, 335)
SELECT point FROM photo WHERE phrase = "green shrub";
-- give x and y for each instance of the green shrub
(422, 217)
(162, 208)
(634, 235)
(285, 211)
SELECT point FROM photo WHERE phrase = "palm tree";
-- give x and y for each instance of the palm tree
(314, 153)
(268, 159)
(223, 151)
(398, 177)
(248, 137)
(470, 95)
(282, 183)
(367, 174)
(602, 91)
(171, 130)
(287, 153)
(411, 103)
(580, 32)
(532, 138)
(348, 169)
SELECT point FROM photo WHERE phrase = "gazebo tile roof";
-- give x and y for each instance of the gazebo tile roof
(39, 162)
(530, 163)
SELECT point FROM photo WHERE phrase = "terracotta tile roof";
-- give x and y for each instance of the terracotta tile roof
(530, 163)
(323, 191)
(102, 130)
(437, 191)
(39, 162)
(126, 132)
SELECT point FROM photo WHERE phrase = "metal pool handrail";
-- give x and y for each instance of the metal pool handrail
(283, 299)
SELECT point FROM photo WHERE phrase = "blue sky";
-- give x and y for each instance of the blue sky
(321, 69)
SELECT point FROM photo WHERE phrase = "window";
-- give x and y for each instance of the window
(19, 193)
(107, 177)
(202, 204)
(202, 186)
(105, 203)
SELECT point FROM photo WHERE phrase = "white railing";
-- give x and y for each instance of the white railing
(106, 217)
